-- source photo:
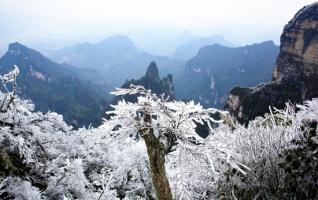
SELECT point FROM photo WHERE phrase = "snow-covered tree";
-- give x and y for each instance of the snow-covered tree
(150, 150)
(40, 155)
(300, 162)
(167, 127)
(266, 144)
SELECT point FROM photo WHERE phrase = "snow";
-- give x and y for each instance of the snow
(212, 86)
(241, 70)
(37, 74)
(107, 162)
(197, 70)
(15, 52)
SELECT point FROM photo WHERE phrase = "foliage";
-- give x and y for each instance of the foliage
(271, 147)
(301, 162)
(41, 157)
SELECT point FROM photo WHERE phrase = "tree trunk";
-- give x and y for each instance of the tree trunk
(156, 155)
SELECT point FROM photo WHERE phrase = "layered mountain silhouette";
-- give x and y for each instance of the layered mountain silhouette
(151, 81)
(116, 58)
(191, 48)
(295, 77)
(215, 70)
(52, 87)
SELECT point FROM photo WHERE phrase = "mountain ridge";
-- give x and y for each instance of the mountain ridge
(189, 49)
(215, 70)
(53, 87)
(116, 58)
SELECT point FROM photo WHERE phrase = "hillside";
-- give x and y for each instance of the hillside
(216, 69)
(54, 87)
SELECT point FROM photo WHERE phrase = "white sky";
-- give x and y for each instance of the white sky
(241, 21)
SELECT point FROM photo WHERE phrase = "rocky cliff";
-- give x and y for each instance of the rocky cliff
(150, 81)
(295, 77)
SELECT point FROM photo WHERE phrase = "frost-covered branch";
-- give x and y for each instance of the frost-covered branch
(8, 97)
(170, 127)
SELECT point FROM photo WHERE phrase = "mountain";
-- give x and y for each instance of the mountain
(295, 77)
(101, 55)
(116, 58)
(151, 80)
(54, 87)
(161, 42)
(191, 48)
(92, 77)
(215, 70)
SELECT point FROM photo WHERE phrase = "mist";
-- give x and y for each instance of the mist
(53, 24)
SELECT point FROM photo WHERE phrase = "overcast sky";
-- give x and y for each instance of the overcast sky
(241, 21)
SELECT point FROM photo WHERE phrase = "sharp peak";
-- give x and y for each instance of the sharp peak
(152, 71)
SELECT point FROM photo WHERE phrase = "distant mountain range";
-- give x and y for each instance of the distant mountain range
(215, 70)
(181, 46)
(160, 43)
(61, 88)
(116, 58)
(81, 93)
(191, 48)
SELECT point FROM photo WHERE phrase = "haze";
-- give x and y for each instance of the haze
(56, 23)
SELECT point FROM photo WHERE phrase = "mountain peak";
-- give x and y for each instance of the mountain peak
(152, 71)
(18, 49)
(150, 81)
(45, 82)
(117, 40)
(28, 59)
(16, 46)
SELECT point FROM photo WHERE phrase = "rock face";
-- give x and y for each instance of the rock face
(152, 71)
(295, 77)
(150, 81)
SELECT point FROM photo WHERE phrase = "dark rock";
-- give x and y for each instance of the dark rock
(150, 81)
(152, 71)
